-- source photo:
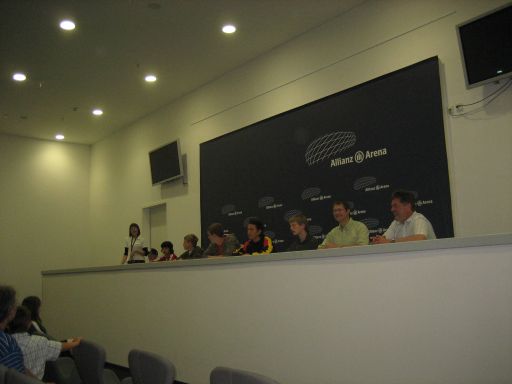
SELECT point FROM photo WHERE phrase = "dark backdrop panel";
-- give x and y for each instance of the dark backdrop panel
(357, 145)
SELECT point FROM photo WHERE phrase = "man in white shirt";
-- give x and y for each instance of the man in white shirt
(408, 225)
(37, 350)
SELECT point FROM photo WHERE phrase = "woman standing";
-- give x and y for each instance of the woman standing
(134, 248)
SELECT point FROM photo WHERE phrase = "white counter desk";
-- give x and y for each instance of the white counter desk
(427, 312)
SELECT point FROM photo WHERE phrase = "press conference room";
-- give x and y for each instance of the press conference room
(176, 115)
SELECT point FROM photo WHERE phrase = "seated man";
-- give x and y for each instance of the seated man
(11, 355)
(167, 252)
(349, 232)
(258, 243)
(192, 251)
(299, 228)
(408, 225)
(220, 244)
(37, 350)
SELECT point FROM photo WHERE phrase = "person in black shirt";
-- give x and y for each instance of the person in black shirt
(192, 251)
(303, 240)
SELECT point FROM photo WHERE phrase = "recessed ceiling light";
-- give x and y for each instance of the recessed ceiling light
(19, 76)
(97, 112)
(229, 28)
(59, 136)
(67, 25)
(150, 78)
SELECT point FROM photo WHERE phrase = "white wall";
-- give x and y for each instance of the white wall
(373, 39)
(435, 316)
(44, 217)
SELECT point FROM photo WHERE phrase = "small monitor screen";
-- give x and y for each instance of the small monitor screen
(486, 44)
(165, 163)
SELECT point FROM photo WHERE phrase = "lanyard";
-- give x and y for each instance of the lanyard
(133, 241)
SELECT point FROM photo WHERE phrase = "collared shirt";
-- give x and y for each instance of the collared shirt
(37, 350)
(227, 247)
(353, 233)
(416, 224)
(308, 243)
(11, 355)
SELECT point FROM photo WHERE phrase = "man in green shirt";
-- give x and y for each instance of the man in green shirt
(349, 232)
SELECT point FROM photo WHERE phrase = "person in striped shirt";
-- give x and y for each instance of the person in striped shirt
(10, 353)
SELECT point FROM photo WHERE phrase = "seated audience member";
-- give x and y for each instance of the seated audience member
(220, 244)
(135, 248)
(33, 303)
(192, 251)
(299, 228)
(408, 225)
(349, 232)
(152, 255)
(167, 252)
(258, 243)
(11, 355)
(37, 350)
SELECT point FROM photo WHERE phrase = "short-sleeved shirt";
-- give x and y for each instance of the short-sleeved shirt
(137, 244)
(416, 224)
(353, 233)
(37, 350)
(10, 353)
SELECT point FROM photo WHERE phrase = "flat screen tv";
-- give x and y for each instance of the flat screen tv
(486, 46)
(165, 163)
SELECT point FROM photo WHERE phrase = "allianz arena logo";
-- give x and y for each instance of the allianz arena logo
(230, 210)
(364, 182)
(313, 194)
(326, 146)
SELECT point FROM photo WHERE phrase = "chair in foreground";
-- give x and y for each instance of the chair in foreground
(14, 377)
(149, 368)
(224, 375)
(61, 371)
(3, 371)
(90, 363)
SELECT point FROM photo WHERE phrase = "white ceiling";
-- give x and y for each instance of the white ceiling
(102, 63)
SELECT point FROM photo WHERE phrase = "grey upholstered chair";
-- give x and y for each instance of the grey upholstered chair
(90, 362)
(149, 368)
(14, 377)
(3, 371)
(224, 375)
(62, 371)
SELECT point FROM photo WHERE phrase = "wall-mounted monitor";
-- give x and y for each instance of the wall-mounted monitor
(166, 163)
(486, 46)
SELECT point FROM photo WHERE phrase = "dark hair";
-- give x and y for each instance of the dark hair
(299, 219)
(405, 197)
(216, 229)
(192, 239)
(7, 301)
(167, 244)
(22, 320)
(130, 229)
(153, 252)
(345, 204)
(33, 304)
(256, 222)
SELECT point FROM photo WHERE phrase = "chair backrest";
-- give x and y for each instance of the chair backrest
(90, 362)
(150, 368)
(3, 371)
(14, 377)
(225, 375)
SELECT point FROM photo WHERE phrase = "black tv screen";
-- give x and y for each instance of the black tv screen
(486, 45)
(165, 163)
